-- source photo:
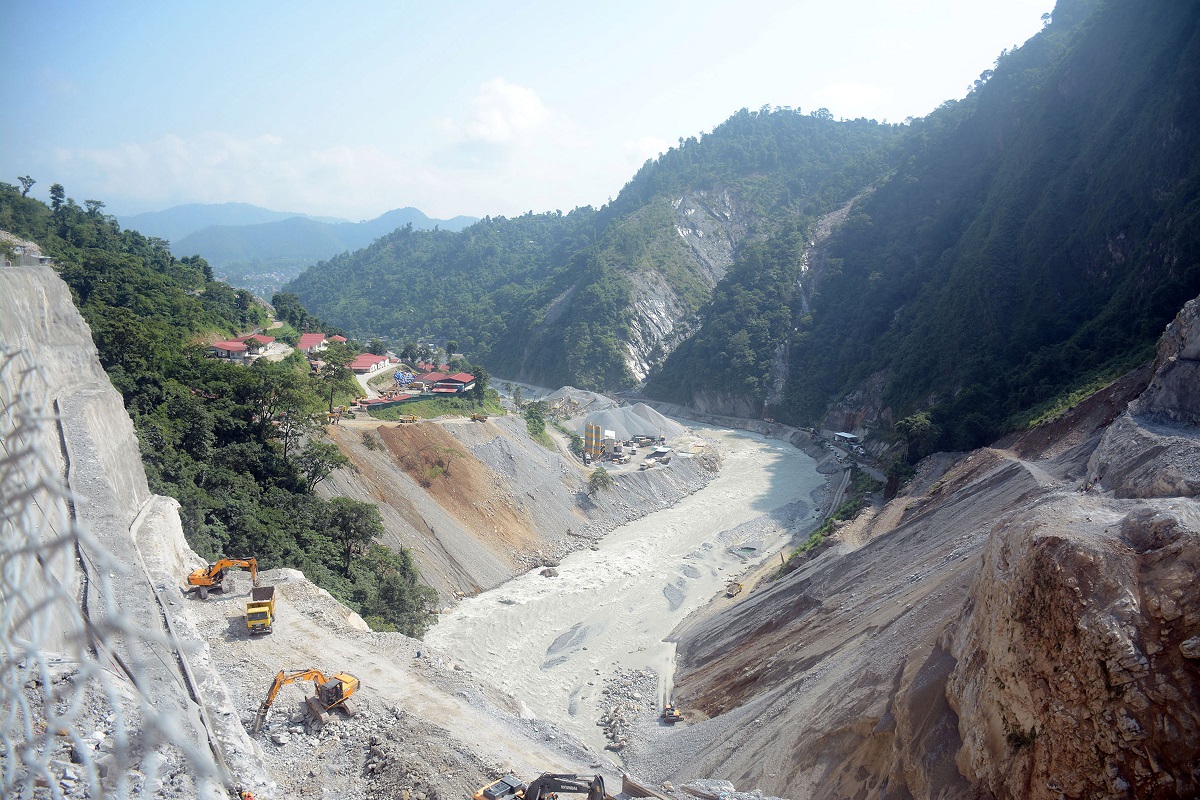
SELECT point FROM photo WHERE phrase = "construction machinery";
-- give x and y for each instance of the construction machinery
(544, 786)
(212, 578)
(260, 609)
(671, 714)
(733, 589)
(479, 417)
(332, 692)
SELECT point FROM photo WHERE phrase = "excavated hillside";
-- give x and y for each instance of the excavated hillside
(1021, 622)
(479, 503)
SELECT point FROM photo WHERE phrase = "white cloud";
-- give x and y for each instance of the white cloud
(266, 170)
(502, 113)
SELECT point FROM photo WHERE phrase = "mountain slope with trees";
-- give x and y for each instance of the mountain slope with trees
(1002, 255)
(597, 298)
(1038, 234)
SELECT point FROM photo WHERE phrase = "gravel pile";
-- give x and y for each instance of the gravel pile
(379, 753)
(629, 421)
(630, 698)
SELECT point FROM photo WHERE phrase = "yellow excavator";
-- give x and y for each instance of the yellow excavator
(332, 692)
(544, 786)
(212, 578)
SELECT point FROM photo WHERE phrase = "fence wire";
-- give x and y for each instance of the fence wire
(89, 703)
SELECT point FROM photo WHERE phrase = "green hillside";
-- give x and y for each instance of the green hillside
(1027, 240)
(1037, 234)
(550, 297)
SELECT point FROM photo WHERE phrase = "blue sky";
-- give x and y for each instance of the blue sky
(351, 109)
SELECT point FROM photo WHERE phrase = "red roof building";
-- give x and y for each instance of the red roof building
(432, 377)
(338, 339)
(369, 362)
(228, 349)
(265, 341)
(453, 384)
(311, 342)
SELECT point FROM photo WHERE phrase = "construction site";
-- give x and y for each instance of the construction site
(637, 641)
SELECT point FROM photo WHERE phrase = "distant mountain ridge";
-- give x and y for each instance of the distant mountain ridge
(177, 222)
(301, 237)
(259, 249)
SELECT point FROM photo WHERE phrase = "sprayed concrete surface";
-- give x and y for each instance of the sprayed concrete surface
(555, 642)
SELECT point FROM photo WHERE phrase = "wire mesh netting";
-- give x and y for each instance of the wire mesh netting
(93, 703)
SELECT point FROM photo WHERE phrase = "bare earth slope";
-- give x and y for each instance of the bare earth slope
(479, 503)
(1029, 628)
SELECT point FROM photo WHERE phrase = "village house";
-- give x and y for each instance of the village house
(311, 343)
(231, 349)
(368, 363)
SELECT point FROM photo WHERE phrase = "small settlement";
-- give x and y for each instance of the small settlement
(410, 387)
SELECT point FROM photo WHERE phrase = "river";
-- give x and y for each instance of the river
(552, 642)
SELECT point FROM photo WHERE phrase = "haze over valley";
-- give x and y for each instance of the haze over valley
(801, 453)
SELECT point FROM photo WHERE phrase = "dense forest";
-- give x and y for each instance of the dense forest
(238, 446)
(1036, 237)
(549, 297)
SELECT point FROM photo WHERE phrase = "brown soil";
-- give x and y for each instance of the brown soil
(459, 482)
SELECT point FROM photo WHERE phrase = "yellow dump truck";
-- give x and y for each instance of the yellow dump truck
(260, 609)
(407, 419)
(479, 418)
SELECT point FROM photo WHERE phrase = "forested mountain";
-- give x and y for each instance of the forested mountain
(1036, 236)
(597, 298)
(1013, 247)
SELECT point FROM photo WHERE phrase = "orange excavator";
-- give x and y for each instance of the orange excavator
(212, 578)
(332, 692)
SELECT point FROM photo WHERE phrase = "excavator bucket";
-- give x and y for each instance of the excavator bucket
(261, 718)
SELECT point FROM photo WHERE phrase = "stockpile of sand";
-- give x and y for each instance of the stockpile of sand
(636, 420)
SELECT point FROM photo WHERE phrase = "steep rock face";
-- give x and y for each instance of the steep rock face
(1071, 680)
(1077, 674)
(710, 225)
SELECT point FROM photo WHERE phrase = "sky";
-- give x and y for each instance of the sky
(354, 108)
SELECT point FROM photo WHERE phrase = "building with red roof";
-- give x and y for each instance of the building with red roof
(368, 363)
(337, 339)
(311, 342)
(228, 349)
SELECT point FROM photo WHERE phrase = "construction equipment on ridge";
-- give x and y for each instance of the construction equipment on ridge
(544, 786)
(212, 578)
(332, 692)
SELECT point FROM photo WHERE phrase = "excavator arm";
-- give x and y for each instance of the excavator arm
(333, 692)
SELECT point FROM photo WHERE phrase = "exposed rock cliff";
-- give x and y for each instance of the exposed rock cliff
(710, 226)
(1024, 625)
